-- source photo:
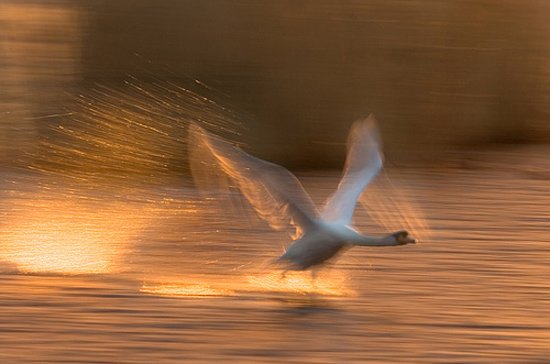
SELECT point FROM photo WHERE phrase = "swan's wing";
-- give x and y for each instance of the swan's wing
(275, 194)
(363, 162)
(392, 207)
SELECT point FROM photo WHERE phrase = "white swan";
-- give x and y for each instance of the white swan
(279, 198)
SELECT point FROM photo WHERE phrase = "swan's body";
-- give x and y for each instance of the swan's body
(279, 198)
(327, 240)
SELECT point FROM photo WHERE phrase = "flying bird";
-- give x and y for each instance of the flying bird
(279, 198)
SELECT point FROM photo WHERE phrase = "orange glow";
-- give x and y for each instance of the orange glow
(330, 284)
(184, 290)
(327, 284)
(67, 237)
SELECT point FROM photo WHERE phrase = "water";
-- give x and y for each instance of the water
(165, 275)
(107, 254)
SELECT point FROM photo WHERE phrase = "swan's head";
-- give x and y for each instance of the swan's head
(402, 238)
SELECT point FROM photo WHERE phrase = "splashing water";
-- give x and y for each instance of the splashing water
(128, 136)
(331, 283)
(253, 284)
(101, 176)
(183, 289)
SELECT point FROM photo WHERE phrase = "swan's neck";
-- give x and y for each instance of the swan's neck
(351, 236)
(376, 241)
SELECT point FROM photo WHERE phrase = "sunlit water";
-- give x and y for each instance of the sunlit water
(165, 275)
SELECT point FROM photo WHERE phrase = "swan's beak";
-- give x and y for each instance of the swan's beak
(408, 240)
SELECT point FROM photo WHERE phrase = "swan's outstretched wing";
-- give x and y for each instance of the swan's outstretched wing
(275, 193)
(363, 162)
(392, 207)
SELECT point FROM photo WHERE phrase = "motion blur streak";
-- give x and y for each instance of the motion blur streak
(265, 282)
(107, 255)
(135, 135)
(391, 207)
(177, 289)
(332, 283)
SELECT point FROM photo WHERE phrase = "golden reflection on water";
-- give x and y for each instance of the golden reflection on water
(183, 289)
(466, 296)
(329, 284)
(68, 236)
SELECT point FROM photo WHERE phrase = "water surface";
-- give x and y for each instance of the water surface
(165, 275)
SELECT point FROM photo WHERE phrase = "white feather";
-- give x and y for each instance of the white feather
(275, 193)
(279, 198)
(363, 162)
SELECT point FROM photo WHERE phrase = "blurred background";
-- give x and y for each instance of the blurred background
(442, 77)
(108, 255)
